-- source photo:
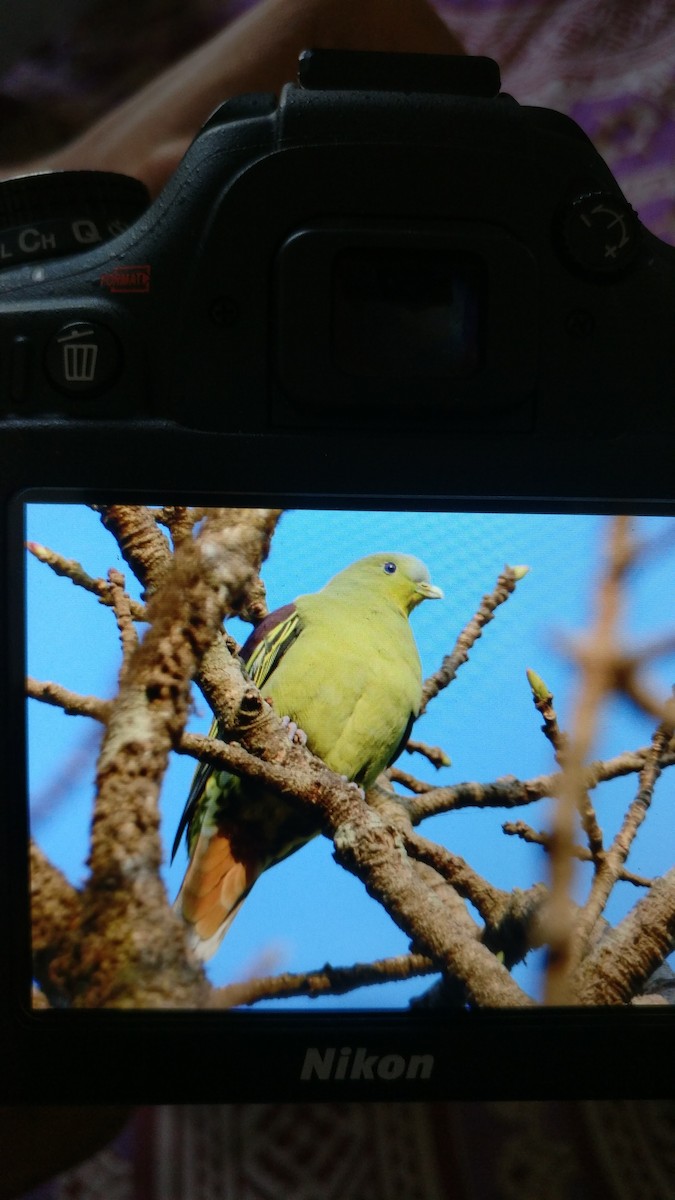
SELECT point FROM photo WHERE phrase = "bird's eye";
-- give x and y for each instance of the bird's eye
(390, 567)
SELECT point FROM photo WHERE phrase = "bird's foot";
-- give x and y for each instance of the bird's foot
(295, 733)
(354, 787)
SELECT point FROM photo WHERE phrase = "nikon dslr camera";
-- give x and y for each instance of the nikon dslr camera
(417, 319)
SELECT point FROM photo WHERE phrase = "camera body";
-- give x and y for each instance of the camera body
(393, 287)
(296, 242)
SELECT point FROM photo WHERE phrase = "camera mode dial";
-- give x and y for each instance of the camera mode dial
(65, 212)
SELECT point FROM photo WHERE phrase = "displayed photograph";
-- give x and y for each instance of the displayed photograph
(312, 758)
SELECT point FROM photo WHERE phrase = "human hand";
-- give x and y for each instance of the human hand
(147, 135)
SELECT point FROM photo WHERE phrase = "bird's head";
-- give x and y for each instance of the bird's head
(402, 578)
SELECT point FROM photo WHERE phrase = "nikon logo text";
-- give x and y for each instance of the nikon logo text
(348, 1063)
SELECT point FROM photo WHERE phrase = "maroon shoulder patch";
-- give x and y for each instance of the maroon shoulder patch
(263, 630)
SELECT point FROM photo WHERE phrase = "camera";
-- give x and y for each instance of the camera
(415, 318)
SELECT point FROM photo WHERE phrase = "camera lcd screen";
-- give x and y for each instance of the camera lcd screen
(479, 783)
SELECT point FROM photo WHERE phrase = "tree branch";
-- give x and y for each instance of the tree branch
(543, 701)
(487, 900)
(581, 853)
(419, 786)
(435, 755)
(121, 604)
(510, 792)
(122, 962)
(56, 918)
(142, 544)
(327, 981)
(597, 673)
(72, 703)
(612, 862)
(69, 568)
(505, 586)
(617, 968)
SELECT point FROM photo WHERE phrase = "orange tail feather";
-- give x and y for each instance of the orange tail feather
(215, 884)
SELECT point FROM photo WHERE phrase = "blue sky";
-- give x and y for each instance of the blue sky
(307, 910)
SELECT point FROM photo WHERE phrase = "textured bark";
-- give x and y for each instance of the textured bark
(56, 916)
(617, 969)
(132, 951)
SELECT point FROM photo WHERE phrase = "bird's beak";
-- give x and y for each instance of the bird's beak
(428, 591)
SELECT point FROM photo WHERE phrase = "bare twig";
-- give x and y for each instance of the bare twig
(69, 568)
(122, 608)
(543, 701)
(597, 662)
(448, 669)
(435, 755)
(581, 853)
(489, 901)
(72, 703)
(510, 792)
(327, 981)
(418, 786)
(613, 860)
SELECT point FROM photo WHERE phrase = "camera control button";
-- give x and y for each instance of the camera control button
(83, 358)
(600, 233)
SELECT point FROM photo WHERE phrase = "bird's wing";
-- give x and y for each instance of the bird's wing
(405, 736)
(261, 653)
(268, 643)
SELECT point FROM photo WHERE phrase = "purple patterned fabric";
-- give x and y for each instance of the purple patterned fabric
(474, 1151)
(608, 64)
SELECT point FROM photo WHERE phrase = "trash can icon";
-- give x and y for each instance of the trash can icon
(79, 356)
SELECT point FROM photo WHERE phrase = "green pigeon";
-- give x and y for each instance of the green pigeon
(340, 665)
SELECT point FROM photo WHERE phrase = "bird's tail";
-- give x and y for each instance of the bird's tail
(216, 883)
